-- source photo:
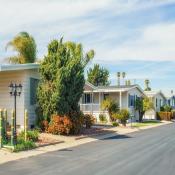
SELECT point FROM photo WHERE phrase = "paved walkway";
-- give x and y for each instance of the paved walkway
(69, 142)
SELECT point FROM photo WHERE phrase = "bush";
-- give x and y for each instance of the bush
(77, 119)
(102, 118)
(31, 136)
(122, 115)
(22, 145)
(165, 108)
(115, 124)
(164, 116)
(44, 125)
(111, 106)
(60, 125)
(89, 120)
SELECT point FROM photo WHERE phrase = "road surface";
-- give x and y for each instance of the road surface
(149, 152)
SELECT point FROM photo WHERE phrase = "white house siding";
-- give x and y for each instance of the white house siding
(137, 93)
(116, 97)
(31, 108)
(158, 97)
(160, 102)
(7, 101)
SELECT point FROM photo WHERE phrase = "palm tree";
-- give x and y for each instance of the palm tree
(147, 88)
(123, 76)
(24, 44)
(118, 75)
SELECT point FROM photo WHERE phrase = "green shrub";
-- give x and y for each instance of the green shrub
(103, 118)
(165, 108)
(31, 135)
(89, 120)
(111, 106)
(22, 145)
(122, 115)
(77, 119)
(115, 124)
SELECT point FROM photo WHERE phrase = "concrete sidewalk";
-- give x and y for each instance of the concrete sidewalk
(70, 142)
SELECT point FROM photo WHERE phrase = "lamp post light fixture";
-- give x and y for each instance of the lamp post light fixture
(15, 90)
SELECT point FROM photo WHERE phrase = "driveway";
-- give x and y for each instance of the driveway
(147, 152)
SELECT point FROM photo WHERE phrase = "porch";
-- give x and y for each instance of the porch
(91, 101)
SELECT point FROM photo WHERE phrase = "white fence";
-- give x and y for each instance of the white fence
(90, 107)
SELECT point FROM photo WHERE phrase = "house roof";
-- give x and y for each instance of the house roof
(14, 67)
(123, 88)
(154, 93)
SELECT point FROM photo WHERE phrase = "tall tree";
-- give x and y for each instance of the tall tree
(62, 78)
(98, 76)
(118, 78)
(143, 105)
(24, 44)
(147, 88)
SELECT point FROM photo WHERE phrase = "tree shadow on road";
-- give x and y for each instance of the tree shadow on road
(117, 137)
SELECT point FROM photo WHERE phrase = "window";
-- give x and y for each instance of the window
(106, 96)
(33, 88)
(156, 102)
(131, 100)
(87, 98)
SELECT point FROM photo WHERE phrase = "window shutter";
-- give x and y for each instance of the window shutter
(33, 88)
(129, 101)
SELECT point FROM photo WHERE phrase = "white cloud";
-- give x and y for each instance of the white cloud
(48, 19)
(155, 42)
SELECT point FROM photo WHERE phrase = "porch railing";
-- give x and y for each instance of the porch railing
(90, 107)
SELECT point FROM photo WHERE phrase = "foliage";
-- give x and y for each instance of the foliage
(122, 115)
(89, 120)
(98, 76)
(111, 106)
(165, 116)
(77, 119)
(39, 117)
(166, 108)
(44, 125)
(103, 118)
(115, 124)
(139, 108)
(22, 145)
(62, 78)
(60, 125)
(25, 45)
(147, 104)
(31, 135)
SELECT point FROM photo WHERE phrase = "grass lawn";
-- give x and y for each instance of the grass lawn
(146, 123)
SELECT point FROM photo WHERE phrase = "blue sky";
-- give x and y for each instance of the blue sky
(135, 36)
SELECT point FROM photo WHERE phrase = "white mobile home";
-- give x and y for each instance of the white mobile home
(158, 99)
(125, 96)
(27, 75)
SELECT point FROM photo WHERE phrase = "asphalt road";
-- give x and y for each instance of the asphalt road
(149, 152)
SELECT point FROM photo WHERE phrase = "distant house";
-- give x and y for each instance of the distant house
(28, 76)
(158, 99)
(125, 96)
(171, 100)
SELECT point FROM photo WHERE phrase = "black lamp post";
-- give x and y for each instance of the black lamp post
(15, 90)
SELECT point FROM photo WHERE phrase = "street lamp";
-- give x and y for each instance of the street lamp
(15, 90)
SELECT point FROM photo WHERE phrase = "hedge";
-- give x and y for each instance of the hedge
(164, 116)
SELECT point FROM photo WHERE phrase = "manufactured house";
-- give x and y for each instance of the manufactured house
(158, 99)
(171, 101)
(27, 75)
(124, 95)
